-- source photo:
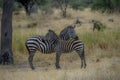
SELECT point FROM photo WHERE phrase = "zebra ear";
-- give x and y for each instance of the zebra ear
(74, 26)
(49, 30)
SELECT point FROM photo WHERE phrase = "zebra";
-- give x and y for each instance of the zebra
(68, 32)
(43, 45)
(66, 46)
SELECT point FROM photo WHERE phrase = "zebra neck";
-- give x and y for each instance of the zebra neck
(55, 41)
(64, 37)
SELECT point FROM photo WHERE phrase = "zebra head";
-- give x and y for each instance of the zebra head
(51, 36)
(68, 32)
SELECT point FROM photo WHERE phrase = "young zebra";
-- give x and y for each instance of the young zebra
(43, 45)
(62, 46)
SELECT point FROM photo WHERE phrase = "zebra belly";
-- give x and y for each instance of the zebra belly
(47, 50)
(66, 50)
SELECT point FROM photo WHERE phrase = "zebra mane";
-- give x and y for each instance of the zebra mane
(54, 35)
(64, 32)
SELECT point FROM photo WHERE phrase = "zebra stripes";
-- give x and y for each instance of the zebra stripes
(38, 43)
(43, 45)
(62, 46)
(69, 46)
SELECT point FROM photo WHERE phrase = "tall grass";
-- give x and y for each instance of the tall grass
(99, 39)
(20, 35)
(105, 40)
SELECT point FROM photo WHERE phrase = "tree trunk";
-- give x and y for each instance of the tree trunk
(64, 13)
(63, 4)
(28, 4)
(6, 33)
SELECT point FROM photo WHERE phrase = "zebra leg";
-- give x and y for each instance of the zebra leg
(83, 61)
(83, 56)
(57, 60)
(30, 59)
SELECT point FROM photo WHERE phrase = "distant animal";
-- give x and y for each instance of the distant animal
(110, 20)
(98, 25)
(65, 46)
(78, 21)
(43, 45)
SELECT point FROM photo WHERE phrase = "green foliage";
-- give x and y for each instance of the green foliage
(45, 4)
(102, 5)
(106, 5)
(78, 4)
(41, 2)
(1, 3)
(17, 6)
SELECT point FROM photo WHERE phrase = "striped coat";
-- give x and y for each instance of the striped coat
(62, 46)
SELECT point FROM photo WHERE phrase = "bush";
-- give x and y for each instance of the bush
(78, 4)
(1, 3)
(17, 6)
(32, 25)
(106, 5)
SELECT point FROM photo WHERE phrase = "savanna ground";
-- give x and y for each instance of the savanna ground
(102, 49)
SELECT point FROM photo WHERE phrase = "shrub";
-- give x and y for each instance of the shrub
(78, 4)
(106, 5)
(32, 25)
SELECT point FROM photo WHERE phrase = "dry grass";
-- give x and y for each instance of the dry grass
(101, 48)
(106, 69)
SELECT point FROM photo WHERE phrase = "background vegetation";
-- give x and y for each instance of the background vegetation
(103, 5)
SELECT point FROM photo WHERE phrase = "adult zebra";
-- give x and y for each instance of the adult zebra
(68, 32)
(43, 45)
(62, 46)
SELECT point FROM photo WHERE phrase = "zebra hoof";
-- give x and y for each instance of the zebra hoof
(81, 66)
(32, 68)
(58, 67)
(85, 66)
